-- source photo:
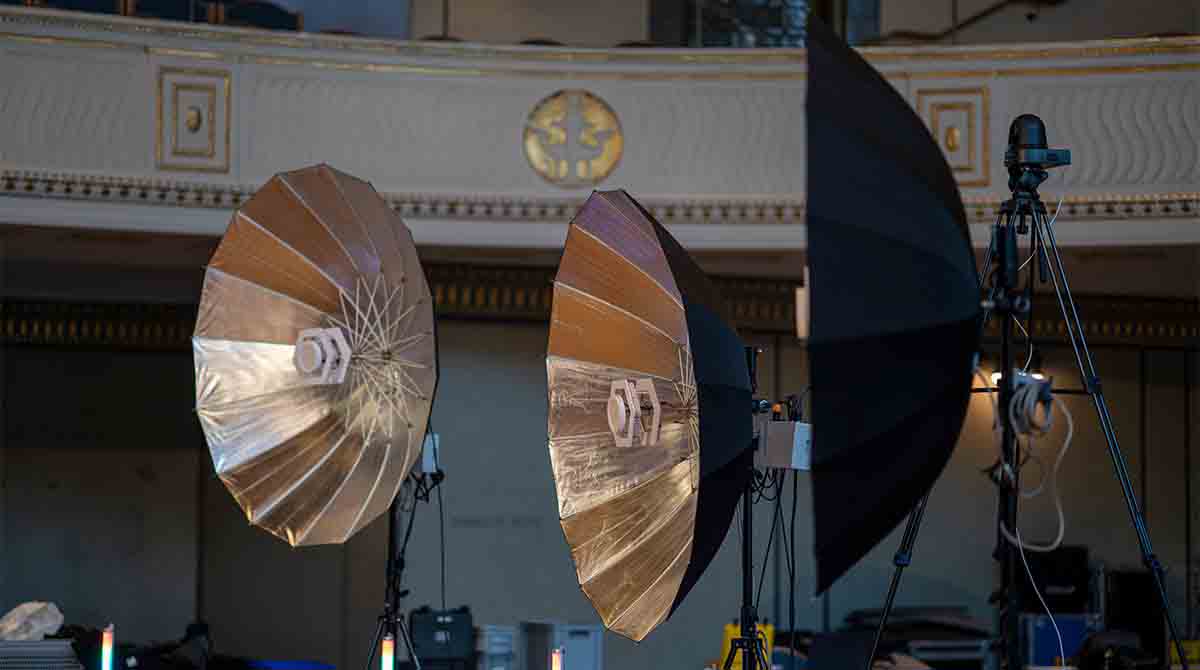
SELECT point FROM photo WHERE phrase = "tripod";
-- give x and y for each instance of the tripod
(748, 643)
(392, 620)
(1027, 160)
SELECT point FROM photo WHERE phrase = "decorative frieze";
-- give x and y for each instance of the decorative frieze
(556, 210)
(463, 291)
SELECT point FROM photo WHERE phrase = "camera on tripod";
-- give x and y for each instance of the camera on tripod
(1027, 146)
(1028, 159)
(1027, 149)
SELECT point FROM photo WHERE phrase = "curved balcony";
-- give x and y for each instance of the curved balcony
(129, 124)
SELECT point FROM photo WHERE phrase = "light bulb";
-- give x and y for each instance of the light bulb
(387, 653)
(106, 648)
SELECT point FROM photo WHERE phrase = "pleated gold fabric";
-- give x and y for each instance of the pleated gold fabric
(309, 459)
(628, 513)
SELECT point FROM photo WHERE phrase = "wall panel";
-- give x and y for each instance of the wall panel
(100, 496)
(261, 597)
(98, 488)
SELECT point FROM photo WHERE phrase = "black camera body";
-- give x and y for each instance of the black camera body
(1027, 146)
(1027, 156)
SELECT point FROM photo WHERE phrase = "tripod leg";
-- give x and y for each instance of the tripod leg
(901, 560)
(733, 650)
(1087, 369)
(375, 645)
(402, 630)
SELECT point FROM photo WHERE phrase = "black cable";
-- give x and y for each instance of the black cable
(437, 466)
(792, 573)
(762, 577)
(765, 483)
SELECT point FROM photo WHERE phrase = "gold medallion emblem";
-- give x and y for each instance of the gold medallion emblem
(573, 139)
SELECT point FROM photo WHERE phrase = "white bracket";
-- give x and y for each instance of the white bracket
(430, 456)
(625, 412)
(322, 355)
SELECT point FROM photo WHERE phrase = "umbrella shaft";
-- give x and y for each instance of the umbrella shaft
(749, 615)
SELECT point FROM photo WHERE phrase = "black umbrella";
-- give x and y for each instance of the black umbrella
(894, 305)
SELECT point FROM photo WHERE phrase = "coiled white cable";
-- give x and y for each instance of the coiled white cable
(1023, 411)
(1029, 421)
(1024, 414)
(1053, 481)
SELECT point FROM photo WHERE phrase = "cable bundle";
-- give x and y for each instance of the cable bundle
(1031, 413)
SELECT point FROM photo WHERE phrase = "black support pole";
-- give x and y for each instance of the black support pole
(1007, 276)
(749, 625)
(1187, 489)
(901, 560)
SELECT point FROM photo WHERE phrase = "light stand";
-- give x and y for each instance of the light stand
(1027, 159)
(392, 620)
(901, 560)
(1011, 304)
(748, 643)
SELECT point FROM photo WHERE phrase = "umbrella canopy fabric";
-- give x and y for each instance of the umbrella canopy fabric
(315, 356)
(649, 419)
(895, 305)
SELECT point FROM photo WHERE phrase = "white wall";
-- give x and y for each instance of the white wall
(573, 22)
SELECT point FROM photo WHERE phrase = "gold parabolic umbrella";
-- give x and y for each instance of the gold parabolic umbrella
(646, 442)
(315, 356)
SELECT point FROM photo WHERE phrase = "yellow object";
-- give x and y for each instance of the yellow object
(573, 138)
(1191, 648)
(766, 633)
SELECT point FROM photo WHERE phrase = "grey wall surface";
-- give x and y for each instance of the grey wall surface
(110, 508)
(99, 488)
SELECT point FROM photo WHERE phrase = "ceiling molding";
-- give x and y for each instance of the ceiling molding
(468, 207)
(441, 206)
